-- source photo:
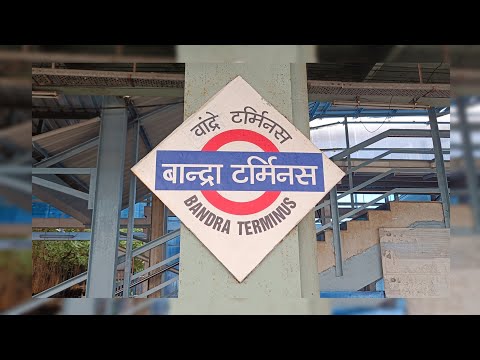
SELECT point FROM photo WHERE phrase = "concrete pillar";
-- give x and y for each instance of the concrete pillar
(290, 270)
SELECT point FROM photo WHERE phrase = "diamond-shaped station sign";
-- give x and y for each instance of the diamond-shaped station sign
(239, 175)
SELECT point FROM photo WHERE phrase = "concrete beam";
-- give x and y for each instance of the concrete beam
(358, 272)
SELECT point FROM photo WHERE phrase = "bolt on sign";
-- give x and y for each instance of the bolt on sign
(239, 175)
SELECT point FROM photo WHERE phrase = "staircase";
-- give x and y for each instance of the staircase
(360, 243)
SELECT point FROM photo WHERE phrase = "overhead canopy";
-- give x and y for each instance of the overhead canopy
(154, 93)
(157, 120)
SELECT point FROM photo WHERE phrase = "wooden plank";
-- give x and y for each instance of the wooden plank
(18, 135)
(416, 262)
(53, 223)
(157, 254)
(67, 129)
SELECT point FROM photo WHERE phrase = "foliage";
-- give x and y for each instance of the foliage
(137, 263)
(68, 254)
(17, 261)
(72, 254)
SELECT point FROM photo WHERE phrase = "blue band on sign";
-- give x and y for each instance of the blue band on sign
(239, 171)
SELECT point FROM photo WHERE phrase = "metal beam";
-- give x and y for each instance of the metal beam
(150, 245)
(92, 188)
(440, 166)
(14, 169)
(156, 266)
(390, 133)
(146, 278)
(78, 115)
(82, 235)
(337, 241)
(35, 56)
(26, 307)
(377, 199)
(62, 286)
(372, 180)
(157, 288)
(39, 149)
(349, 164)
(115, 91)
(132, 195)
(107, 205)
(64, 155)
(145, 138)
(57, 187)
(61, 171)
(129, 77)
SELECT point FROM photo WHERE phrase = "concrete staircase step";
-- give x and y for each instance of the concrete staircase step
(362, 235)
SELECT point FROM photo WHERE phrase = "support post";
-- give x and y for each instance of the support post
(349, 164)
(470, 167)
(337, 240)
(102, 262)
(440, 166)
(307, 234)
(131, 215)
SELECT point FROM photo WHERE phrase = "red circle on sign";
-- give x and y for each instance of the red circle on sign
(237, 207)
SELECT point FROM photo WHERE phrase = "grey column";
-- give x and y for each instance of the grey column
(107, 205)
(353, 197)
(337, 237)
(282, 273)
(440, 166)
(468, 158)
(131, 215)
(307, 235)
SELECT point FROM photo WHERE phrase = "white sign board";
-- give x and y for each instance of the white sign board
(239, 175)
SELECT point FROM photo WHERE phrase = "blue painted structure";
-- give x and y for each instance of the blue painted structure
(323, 110)
(44, 210)
(12, 214)
(173, 248)
(397, 307)
(352, 294)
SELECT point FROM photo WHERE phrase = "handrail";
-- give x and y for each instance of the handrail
(388, 193)
(385, 134)
(150, 245)
(374, 122)
(121, 259)
(62, 286)
(156, 288)
(26, 307)
(161, 271)
(156, 266)
(119, 284)
(407, 150)
(393, 151)
(372, 180)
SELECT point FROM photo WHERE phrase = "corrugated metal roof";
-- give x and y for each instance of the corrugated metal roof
(158, 125)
